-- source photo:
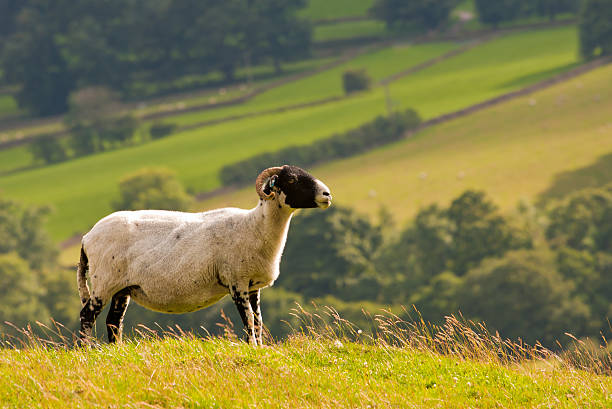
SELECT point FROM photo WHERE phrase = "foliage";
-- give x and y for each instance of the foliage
(48, 149)
(198, 155)
(162, 129)
(495, 12)
(550, 8)
(152, 188)
(332, 253)
(59, 46)
(97, 121)
(355, 80)
(523, 296)
(22, 232)
(583, 221)
(427, 14)
(376, 133)
(20, 293)
(596, 28)
(9, 9)
(31, 287)
(31, 58)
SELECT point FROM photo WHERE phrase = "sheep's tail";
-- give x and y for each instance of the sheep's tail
(82, 277)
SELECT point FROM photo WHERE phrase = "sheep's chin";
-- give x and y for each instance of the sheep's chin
(323, 204)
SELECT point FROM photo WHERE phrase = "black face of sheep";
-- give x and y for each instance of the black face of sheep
(301, 189)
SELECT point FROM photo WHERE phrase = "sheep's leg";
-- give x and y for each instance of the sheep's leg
(114, 319)
(240, 295)
(89, 313)
(254, 297)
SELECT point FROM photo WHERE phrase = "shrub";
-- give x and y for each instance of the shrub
(48, 149)
(595, 28)
(355, 80)
(152, 188)
(379, 132)
(97, 121)
(160, 130)
(523, 296)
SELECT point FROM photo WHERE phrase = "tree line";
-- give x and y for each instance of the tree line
(381, 131)
(54, 47)
(595, 16)
(533, 274)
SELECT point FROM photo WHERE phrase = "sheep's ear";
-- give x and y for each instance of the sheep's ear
(270, 184)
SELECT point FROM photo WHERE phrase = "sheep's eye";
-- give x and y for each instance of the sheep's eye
(292, 180)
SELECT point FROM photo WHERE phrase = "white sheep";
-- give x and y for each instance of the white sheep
(177, 262)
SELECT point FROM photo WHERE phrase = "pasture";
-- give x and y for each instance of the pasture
(8, 106)
(327, 10)
(304, 371)
(81, 190)
(349, 29)
(514, 151)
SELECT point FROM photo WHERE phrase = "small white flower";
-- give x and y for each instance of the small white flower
(338, 344)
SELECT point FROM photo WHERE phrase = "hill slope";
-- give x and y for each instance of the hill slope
(81, 190)
(513, 151)
(303, 372)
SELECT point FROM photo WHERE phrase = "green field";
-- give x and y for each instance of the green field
(326, 84)
(81, 190)
(325, 10)
(304, 372)
(349, 29)
(8, 106)
(262, 75)
(514, 151)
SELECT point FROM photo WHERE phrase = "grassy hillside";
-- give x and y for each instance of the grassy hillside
(303, 372)
(325, 10)
(8, 106)
(513, 151)
(327, 84)
(349, 29)
(81, 190)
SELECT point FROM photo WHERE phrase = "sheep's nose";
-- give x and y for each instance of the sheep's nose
(326, 194)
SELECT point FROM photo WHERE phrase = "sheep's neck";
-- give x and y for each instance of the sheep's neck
(272, 220)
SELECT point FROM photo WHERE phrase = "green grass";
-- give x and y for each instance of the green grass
(469, 369)
(544, 145)
(349, 29)
(81, 190)
(325, 9)
(8, 106)
(327, 84)
(14, 158)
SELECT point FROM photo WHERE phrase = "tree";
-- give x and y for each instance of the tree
(32, 59)
(550, 8)
(97, 121)
(48, 149)
(479, 231)
(522, 296)
(355, 80)
(152, 188)
(9, 10)
(427, 14)
(22, 232)
(332, 253)
(273, 31)
(498, 11)
(595, 28)
(583, 221)
(20, 293)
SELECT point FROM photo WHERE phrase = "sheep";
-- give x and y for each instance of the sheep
(176, 262)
